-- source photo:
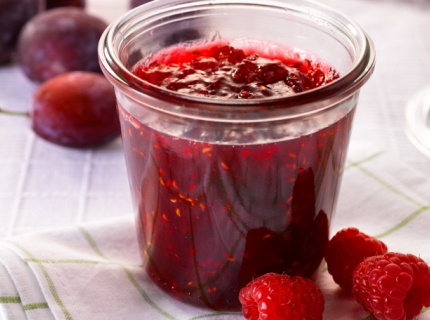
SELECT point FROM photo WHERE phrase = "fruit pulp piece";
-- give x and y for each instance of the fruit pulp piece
(213, 216)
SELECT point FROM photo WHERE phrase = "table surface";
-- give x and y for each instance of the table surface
(47, 186)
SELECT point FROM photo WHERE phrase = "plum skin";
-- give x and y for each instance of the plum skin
(60, 40)
(13, 15)
(50, 4)
(76, 109)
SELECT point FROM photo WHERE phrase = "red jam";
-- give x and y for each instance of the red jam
(213, 216)
(221, 71)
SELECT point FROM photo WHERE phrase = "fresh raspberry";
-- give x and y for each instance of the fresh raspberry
(393, 286)
(276, 296)
(346, 250)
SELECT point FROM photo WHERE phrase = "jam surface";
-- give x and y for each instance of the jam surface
(213, 216)
(221, 71)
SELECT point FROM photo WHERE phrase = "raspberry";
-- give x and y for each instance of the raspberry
(346, 250)
(393, 286)
(278, 297)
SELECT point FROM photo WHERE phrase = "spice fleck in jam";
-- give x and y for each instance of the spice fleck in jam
(214, 214)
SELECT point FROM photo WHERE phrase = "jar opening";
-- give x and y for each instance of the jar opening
(306, 25)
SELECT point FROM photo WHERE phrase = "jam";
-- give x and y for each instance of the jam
(213, 215)
(221, 71)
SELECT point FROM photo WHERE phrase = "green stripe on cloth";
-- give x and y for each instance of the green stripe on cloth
(351, 164)
(10, 300)
(145, 295)
(35, 306)
(48, 279)
(130, 276)
(77, 261)
(404, 222)
(386, 184)
(392, 188)
(71, 261)
(91, 242)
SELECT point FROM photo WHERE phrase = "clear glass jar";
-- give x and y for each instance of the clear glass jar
(227, 190)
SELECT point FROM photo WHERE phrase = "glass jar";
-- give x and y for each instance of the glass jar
(227, 190)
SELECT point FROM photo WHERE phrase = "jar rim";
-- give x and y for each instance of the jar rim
(331, 93)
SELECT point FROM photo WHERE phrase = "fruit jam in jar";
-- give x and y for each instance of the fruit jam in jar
(218, 208)
(234, 147)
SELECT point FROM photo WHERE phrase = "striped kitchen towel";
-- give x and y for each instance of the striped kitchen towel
(94, 271)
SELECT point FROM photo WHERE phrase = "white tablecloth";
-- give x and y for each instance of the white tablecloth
(44, 186)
